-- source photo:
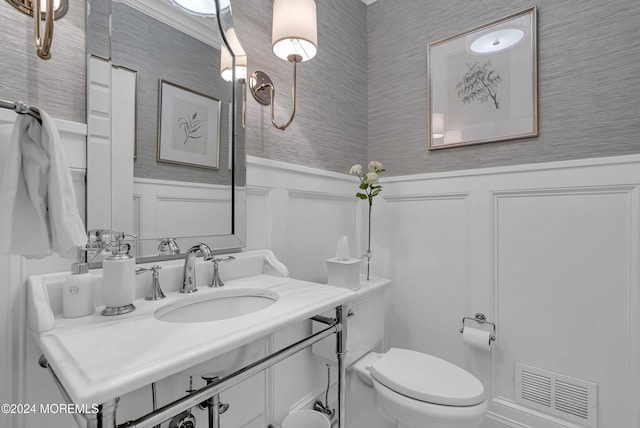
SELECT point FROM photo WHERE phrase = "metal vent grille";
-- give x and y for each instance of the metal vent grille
(573, 399)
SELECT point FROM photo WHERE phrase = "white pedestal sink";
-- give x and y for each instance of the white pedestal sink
(219, 330)
(224, 304)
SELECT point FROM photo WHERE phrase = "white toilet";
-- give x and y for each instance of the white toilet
(416, 390)
(412, 389)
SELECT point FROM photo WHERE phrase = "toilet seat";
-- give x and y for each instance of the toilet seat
(427, 378)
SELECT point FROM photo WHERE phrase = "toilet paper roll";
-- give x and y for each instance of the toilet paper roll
(476, 338)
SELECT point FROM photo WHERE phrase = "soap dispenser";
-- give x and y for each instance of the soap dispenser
(119, 280)
(77, 291)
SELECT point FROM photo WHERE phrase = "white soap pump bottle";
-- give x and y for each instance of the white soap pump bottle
(119, 280)
(77, 290)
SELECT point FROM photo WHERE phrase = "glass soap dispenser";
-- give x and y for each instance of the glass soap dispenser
(77, 290)
(119, 280)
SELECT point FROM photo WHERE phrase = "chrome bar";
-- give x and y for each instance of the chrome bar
(341, 353)
(21, 108)
(165, 413)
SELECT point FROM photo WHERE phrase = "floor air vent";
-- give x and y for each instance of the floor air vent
(569, 398)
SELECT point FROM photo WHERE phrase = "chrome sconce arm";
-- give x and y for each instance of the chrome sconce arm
(43, 45)
(264, 92)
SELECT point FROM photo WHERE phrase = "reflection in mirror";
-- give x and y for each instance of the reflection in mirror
(166, 143)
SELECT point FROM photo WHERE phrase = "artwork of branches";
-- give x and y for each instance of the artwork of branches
(479, 83)
(191, 125)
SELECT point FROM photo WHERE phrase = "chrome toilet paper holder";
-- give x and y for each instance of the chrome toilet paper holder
(482, 319)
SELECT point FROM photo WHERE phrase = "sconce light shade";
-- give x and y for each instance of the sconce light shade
(226, 61)
(201, 7)
(295, 30)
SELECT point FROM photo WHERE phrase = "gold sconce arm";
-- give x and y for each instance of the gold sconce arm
(43, 45)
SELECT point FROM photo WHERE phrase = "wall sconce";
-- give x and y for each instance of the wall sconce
(295, 39)
(49, 10)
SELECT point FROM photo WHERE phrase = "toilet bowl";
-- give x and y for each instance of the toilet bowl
(411, 389)
(416, 390)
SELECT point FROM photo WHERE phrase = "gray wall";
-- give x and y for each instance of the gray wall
(157, 52)
(588, 97)
(56, 85)
(588, 91)
(330, 128)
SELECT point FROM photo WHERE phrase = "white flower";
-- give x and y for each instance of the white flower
(375, 166)
(372, 177)
(356, 169)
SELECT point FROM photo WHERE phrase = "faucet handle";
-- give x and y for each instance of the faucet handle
(169, 246)
(216, 281)
(223, 259)
(156, 291)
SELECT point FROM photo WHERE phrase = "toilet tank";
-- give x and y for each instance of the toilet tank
(366, 324)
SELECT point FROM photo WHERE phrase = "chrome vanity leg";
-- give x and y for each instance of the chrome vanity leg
(105, 417)
(214, 407)
(341, 348)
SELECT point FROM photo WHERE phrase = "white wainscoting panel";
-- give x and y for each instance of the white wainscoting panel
(299, 213)
(563, 289)
(316, 222)
(550, 252)
(303, 213)
(430, 251)
(185, 209)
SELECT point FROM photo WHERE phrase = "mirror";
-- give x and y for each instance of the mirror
(166, 156)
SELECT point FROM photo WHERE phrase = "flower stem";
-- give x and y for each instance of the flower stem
(369, 240)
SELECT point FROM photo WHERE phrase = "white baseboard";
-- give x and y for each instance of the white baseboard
(505, 413)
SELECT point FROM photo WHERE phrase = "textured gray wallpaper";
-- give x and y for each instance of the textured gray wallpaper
(56, 85)
(330, 128)
(588, 91)
(157, 51)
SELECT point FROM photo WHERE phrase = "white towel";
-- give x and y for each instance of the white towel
(38, 209)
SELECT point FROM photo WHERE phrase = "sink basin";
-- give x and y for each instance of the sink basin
(220, 305)
(215, 306)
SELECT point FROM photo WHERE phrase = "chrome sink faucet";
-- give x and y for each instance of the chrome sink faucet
(189, 279)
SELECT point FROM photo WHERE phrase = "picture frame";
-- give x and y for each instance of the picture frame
(483, 84)
(188, 127)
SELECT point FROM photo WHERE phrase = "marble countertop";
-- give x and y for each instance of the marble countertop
(99, 358)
